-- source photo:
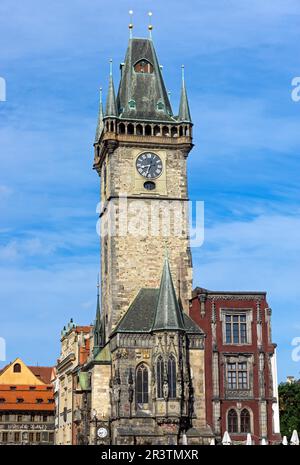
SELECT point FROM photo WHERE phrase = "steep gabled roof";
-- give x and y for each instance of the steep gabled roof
(157, 310)
(140, 316)
(147, 90)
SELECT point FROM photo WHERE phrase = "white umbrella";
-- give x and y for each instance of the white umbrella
(294, 439)
(212, 442)
(249, 440)
(184, 440)
(226, 441)
(263, 442)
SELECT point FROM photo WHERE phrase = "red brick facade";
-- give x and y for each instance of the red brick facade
(240, 363)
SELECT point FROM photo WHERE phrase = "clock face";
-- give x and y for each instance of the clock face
(102, 432)
(149, 165)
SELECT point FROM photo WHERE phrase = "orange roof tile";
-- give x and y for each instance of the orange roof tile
(43, 373)
(29, 398)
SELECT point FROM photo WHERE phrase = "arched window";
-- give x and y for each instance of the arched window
(139, 130)
(143, 66)
(121, 128)
(17, 368)
(130, 129)
(147, 130)
(142, 384)
(156, 130)
(172, 377)
(174, 132)
(232, 421)
(245, 421)
(160, 377)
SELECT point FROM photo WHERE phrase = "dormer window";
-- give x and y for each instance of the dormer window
(131, 104)
(143, 66)
(160, 105)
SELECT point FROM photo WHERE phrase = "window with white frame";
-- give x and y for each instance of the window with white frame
(236, 328)
(237, 375)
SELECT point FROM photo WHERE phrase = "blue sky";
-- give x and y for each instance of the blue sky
(240, 58)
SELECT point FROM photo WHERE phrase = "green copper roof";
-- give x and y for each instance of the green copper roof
(146, 89)
(157, 310)
(111, 109)
(99, 328)
(141, 313)
(84, 380)
(184, 109)
(103, 355)
(168, 313)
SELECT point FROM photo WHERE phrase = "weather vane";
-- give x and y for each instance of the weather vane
(150, 27)
(130, 24)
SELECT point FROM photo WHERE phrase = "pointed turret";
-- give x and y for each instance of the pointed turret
(111, 108)
(99, 330)
(100, 124)
(142, 93)
(184, 109)
(168, 313)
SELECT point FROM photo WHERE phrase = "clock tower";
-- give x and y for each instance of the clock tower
(141, 151)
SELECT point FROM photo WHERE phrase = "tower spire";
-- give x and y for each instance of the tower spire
(100, 119)
(168, 312)
(99, 329)
(184, 109)
(111, 108)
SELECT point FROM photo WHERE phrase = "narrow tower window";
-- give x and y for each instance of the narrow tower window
(172, 377)
(142, 384)
(232, 421)
(160, 377)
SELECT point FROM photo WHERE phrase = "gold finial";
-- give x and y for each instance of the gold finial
(130, 24)
(150, 27)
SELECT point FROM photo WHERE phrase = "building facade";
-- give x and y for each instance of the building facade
(27, 406)
(74, 352)
(240, 364)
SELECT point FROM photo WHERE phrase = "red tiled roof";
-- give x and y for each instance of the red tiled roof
(83, 329)
(29, 398)
(42, 373)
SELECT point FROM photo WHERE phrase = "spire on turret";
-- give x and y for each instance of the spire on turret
(111, 108)
(168, 312)
(99, 329)
(100, 119)
(184, 109)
